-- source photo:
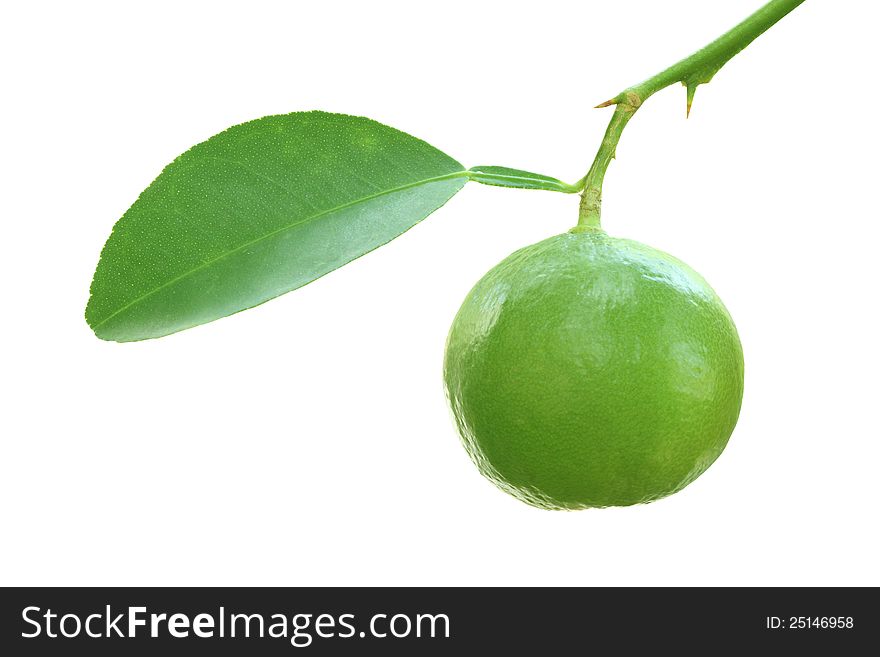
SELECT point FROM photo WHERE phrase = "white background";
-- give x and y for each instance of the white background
(308, 441)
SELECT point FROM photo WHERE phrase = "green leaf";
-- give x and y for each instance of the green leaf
(507, 177)
(258, 210)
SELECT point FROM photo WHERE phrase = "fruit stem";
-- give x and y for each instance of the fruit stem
(691, 71)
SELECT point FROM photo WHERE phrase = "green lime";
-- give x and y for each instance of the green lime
(588, 371)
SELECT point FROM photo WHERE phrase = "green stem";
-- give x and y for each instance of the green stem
(691, 71)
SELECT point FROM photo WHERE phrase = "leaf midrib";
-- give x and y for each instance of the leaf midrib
(448, 176)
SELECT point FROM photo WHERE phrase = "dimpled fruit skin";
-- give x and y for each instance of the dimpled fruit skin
(588, 371)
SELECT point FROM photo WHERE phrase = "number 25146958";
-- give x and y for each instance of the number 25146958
(809, 622)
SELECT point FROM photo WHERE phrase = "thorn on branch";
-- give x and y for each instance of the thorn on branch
(691, 90)
(628, 100)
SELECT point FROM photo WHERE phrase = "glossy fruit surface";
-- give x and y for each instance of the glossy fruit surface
(589, 371)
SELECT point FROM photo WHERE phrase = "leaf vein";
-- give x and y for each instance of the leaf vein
(270, 234)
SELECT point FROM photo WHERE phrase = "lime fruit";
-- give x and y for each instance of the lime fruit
(589, 371)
